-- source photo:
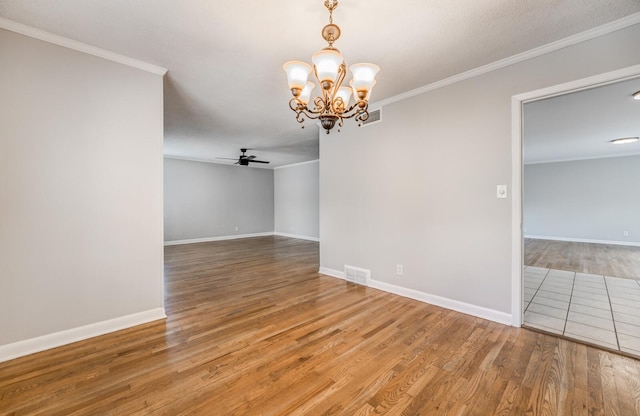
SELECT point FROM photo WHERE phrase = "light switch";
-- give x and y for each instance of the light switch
(502, 191)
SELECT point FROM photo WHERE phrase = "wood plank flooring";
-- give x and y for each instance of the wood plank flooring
(601, 259)
(253, 329)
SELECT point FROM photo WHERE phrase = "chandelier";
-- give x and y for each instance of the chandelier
(332, 105)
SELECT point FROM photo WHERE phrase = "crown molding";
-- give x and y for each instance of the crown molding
(194, 159)
(605, 29)
(578, 159)
(297, 164)
(79, 46)
(233, 165)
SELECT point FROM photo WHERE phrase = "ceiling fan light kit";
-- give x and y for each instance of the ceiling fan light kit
(636, 95)
(331, 107)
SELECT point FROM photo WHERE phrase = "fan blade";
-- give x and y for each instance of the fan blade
(258, 161)
(251, 157)
(227, 158)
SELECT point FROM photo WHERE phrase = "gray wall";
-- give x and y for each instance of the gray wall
(204, 200)
(296, 195)
(80, 189)
(437, 213)
(593, 199)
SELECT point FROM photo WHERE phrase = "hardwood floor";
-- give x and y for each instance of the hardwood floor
(253, 329)
(601, 259)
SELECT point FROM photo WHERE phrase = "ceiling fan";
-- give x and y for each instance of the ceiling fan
(244, 160)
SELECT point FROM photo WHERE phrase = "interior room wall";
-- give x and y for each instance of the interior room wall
(209, 200)
(296, 200)
(594, 200)
(80, 193)
(423, 191)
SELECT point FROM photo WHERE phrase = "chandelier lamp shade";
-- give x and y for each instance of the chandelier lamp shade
(332, 105)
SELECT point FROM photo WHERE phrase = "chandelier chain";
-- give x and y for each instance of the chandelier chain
(330, 5)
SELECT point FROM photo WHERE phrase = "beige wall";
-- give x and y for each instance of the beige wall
(80, 190)
(422, 192)
(207, 200)
(595, 200)
(296, 200)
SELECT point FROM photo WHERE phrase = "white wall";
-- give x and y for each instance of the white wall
(296, 200)
(423, 190)
(206, 200)
(595, 200)
(80, 192)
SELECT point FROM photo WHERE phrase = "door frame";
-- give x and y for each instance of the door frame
(517, 103)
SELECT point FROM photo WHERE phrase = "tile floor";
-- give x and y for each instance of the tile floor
(600, 310)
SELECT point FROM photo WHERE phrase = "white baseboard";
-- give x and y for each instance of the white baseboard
(455, 305)
(45, 342)
(300, 237)
(332, 273)
(220, 238)
(583, 240)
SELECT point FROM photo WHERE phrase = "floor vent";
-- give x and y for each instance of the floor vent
(357, 275)
(375, 116)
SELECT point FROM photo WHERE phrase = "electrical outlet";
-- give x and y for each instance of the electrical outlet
(399, 269)
(625, 233)
(236, 228)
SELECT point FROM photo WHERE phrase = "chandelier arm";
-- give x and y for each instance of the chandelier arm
(338, 105)
(319, 106)
(301, 113)
(300, 117)
(359, 109)
(315, 71)
(295, 104)
(321, 101)
(342, 72)
(361, 117)
(307, 112)
(298, 106)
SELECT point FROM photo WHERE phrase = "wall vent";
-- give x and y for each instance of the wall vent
(375, 116)
(357, 275)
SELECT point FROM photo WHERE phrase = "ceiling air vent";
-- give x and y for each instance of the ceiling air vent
(375, 116)
(357, 275)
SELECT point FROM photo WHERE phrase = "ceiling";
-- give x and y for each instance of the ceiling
(581, 125)
(225, 88)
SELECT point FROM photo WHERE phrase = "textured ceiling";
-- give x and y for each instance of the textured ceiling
(225, 88)
(582, 124)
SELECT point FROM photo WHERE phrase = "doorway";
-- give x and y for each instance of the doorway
(561, 281)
